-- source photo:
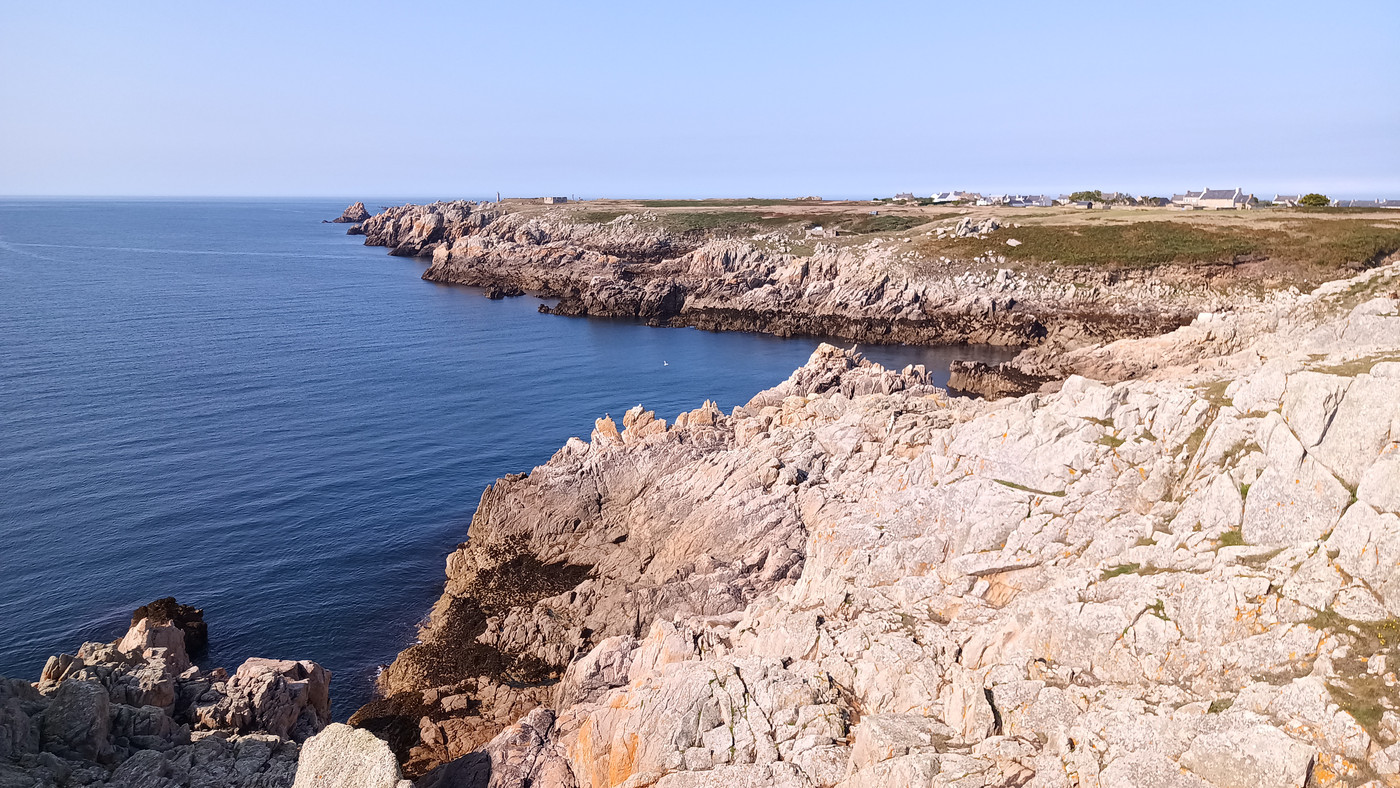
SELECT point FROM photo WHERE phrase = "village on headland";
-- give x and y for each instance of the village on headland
(1204, 199)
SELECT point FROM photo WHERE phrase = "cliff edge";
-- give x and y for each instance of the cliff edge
(1191, 578)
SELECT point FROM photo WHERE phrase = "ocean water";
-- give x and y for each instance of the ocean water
(237, 405)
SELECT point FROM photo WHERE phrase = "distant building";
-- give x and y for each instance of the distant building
(1187, 200)
(1225, 199)
(1366, 203)
(943, 198)
(1286, 200)
(1214, 199)
(555, 200)
(1080, 204)
(1029, 201)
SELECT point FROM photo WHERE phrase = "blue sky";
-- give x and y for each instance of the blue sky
(697, 99)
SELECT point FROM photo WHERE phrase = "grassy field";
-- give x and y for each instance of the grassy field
(1305, 243)
(1326, 243)
(747, 202)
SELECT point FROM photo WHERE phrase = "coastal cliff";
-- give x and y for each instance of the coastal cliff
(1190, 578)
(639, 266)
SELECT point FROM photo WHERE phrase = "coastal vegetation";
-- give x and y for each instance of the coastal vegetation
(1316, 243)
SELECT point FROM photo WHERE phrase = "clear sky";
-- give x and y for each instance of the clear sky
(697, 99)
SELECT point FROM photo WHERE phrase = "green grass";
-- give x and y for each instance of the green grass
(1324, 243)
(1356, 691)
(1351, 369)
(1233, 538)
(1194, 441)
(709, 222)
(1121, 569)
(1215, 394)
(1024, 488)
(884, 223)
(1145, 541)
(752, 202)
(1220, 704)
(1110, 441)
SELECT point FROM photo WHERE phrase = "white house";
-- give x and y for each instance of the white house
(1214, 199)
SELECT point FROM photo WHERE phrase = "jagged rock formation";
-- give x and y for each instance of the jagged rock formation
(634, 267)
(1187, 579)
(354, 214)
(137, 714)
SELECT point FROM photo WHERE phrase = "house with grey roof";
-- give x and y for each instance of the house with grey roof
(1187, 200)
(1214, 199)
(943, 198)
(1286, 200)
(1029, 201)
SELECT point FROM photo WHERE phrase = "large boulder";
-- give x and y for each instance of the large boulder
(78, 722)
(148, 639)
(344, 757)
(187, 618)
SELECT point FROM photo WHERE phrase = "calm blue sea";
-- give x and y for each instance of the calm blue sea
(234, 404)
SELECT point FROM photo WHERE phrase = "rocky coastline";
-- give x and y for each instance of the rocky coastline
(1174, 563)
(1184, 579)
(635, 267)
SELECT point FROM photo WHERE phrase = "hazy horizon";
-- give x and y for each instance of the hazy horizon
(359, 101)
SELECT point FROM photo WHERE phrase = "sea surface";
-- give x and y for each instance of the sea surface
(237, 405)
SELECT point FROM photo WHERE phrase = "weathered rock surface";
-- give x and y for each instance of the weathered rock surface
(137, 714)
(344, 757)
(1188, 579)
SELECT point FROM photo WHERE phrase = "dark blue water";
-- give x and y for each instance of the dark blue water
(234, 404)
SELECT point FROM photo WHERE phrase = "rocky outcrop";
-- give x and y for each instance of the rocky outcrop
(188, 620)
(634, 267)
(1187, 579)
(137, 714)
(356, 213)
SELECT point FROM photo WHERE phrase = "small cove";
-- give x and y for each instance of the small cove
(232, 403)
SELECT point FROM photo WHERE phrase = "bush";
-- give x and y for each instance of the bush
(1087, 196)
(1314, 200)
